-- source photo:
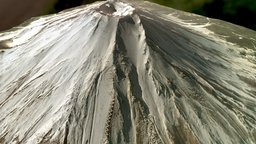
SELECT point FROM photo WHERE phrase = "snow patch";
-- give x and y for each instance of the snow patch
(123, 9)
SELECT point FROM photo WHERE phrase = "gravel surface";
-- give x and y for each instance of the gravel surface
(128, 73)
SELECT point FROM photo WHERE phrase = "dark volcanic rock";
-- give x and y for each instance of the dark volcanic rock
(128, 73)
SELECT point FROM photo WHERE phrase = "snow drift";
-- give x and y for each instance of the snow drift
(114, 72)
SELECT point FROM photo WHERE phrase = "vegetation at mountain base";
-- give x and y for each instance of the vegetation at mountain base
(241, 12)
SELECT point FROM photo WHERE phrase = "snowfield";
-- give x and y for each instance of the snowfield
(138, 72)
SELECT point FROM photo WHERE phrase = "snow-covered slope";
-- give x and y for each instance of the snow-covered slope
(127, 73)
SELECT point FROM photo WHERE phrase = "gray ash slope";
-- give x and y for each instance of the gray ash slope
(127, 73)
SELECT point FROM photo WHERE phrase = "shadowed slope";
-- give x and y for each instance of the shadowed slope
(115, 73)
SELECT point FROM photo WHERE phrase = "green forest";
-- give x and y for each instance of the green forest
(241, 12)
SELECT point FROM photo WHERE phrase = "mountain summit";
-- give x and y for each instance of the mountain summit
(138, 72)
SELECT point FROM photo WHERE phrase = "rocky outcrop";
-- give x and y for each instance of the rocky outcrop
(113, 72)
